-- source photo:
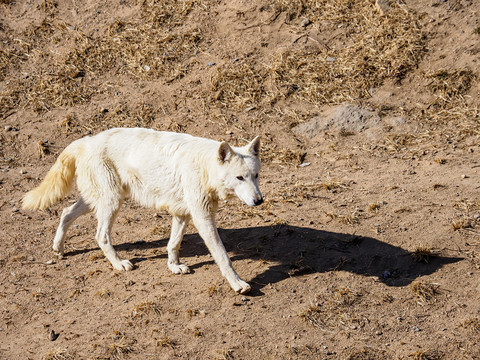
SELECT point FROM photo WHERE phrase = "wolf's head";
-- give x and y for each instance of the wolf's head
(239, 170)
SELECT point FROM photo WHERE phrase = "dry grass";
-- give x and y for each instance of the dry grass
(239, 86)
(334, 309)
(426, 355)
(472, 324)
(424, 291)
(367, 353)
(152, 47)
(423, 253)
(348, 219)
(469, 214)
(60, 354)
(118, 351)
(166, 342)
(376, 48)
(137, 115)
(462, 222)
(146, 308)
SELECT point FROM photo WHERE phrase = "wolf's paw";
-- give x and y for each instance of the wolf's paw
(241, 287)
(58, 250)
(179, 268)
(123, 265)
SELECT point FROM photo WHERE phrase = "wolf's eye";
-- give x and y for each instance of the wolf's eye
(256, 176)
(240, 178)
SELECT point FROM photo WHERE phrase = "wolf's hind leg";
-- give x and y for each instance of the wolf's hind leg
(178, 230)
(69, 215)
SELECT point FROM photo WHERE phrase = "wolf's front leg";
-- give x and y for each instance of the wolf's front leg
(208, 231)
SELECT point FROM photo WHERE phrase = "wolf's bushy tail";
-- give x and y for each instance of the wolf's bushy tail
(57, 183)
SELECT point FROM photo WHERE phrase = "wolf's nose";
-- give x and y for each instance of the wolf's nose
(258, 202)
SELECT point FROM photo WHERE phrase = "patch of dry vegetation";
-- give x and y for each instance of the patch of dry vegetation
(472, 324)
(376, 47)
(426, 355)
(423, 254)
(451, 112)
(61, 354)
(366, 353)
(155, 45)
(469, 215)
(118, 351)
(335, 309)
(146, 308)
(425, 291)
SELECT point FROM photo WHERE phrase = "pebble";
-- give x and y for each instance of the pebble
(306, 22)
(331, 59)
(53, 335)
(304, 164)
(211, 63)
(50, 262)
(146, 68)
(415, 328)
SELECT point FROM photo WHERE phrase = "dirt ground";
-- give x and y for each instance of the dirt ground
(368, 243)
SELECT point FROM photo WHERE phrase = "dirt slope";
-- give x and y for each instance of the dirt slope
(367, 245)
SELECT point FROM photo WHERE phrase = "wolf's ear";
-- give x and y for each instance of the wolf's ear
(225, 152)
(254, 146)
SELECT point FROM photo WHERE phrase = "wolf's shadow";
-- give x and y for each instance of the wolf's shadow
(296, 251)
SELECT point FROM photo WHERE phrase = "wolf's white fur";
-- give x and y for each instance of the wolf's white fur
(182, 174)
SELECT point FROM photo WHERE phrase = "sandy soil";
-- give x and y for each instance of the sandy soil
(367, 245)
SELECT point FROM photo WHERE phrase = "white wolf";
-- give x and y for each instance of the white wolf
(185, 175)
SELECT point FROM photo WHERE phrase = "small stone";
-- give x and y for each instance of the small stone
(23, 172)
(147, 68)
(8, 128)
(53, 335)
(50, 262)
(211, 63)
(465, 176)
(49, 311)
(331, 59)
(306, 22)
(305, 164)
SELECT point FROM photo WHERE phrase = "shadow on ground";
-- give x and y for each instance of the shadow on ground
(296, 251)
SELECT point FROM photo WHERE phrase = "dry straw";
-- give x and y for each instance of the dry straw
(376, 47)
(154, 45)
